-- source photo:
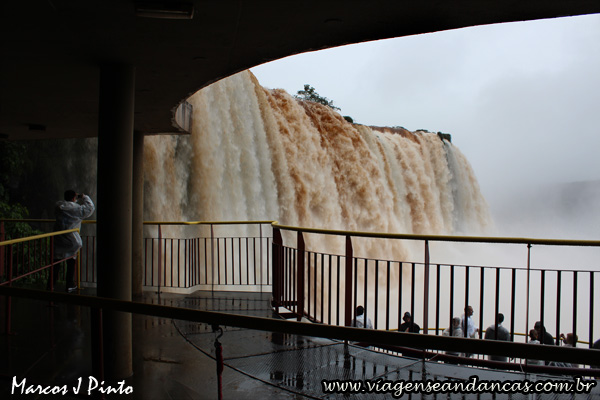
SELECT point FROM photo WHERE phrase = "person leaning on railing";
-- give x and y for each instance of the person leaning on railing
(69, 213)
(533, 339)
(501, 333)
(543, 336)
(361, 320)
(409, 325)
(456, 331)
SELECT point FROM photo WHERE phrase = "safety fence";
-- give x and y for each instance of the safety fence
(208, 255)
(29, 259)
(176, 255)
(326, 288)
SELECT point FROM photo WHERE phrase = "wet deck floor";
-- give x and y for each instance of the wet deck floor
(175, 359)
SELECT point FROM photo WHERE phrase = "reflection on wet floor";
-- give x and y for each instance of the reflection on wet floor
(176, 359)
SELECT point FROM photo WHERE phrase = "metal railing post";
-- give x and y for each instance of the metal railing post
(348, 287)
(2, 250)
(558, 302)
(575, 309)
(159, 257)
(79, 269)
(300, 276)
(277, 265)
(527, 299)
(51, 276)
(426, 291)
(9, 298)
(481, 297)
(591, 321)
(212, 258)
(466, 323)
(260, 256)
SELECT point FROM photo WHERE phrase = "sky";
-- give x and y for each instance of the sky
(521, 100)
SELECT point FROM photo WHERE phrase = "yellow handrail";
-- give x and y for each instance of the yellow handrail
(85, 221)
(443, 238)
(42, 236)
(206, 222)
(407, 236)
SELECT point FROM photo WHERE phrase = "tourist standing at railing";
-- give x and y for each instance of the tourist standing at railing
(497, 334)
(467, 324)
(533, 339)
(409, 325)
(570, 340)
(454, 330)
(361, 320)
(543, 336)
(69, 213)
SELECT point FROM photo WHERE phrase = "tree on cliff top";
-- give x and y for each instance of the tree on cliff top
(310, 94)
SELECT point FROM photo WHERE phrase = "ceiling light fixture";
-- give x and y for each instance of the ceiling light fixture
(165, 10)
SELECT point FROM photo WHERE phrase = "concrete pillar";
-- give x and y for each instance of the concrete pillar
(115, 165)
(138, 215)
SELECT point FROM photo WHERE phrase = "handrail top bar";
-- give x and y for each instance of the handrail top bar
(207, 222)
(25, 220)
(443, 238)
(85, 221)
(35, 237)
(407, 236)
(91, 221)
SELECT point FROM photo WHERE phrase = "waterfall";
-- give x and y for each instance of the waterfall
(259, 154)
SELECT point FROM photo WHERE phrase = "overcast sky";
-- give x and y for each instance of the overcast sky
(521, 100)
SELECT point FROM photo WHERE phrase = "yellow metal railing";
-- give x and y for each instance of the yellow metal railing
(35, 237)
(307, 302)
(443, 238)
(351, 234)
(348, 234)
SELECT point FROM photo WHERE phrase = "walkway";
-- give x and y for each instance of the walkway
(175, 359)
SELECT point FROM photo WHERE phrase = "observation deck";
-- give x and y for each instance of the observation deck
(246, 279)
(176, 359)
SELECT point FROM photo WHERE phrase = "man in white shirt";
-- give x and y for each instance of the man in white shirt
(359, 321)
(454, 330)
(69, 213)
(467, 324)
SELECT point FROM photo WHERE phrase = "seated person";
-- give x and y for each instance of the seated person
(569, 340)
(533, 339)
(543, 336)
(361, 321)
(408, 325)
(454, 330)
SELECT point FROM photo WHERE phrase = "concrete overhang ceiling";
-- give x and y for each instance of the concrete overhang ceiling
(52, 50)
